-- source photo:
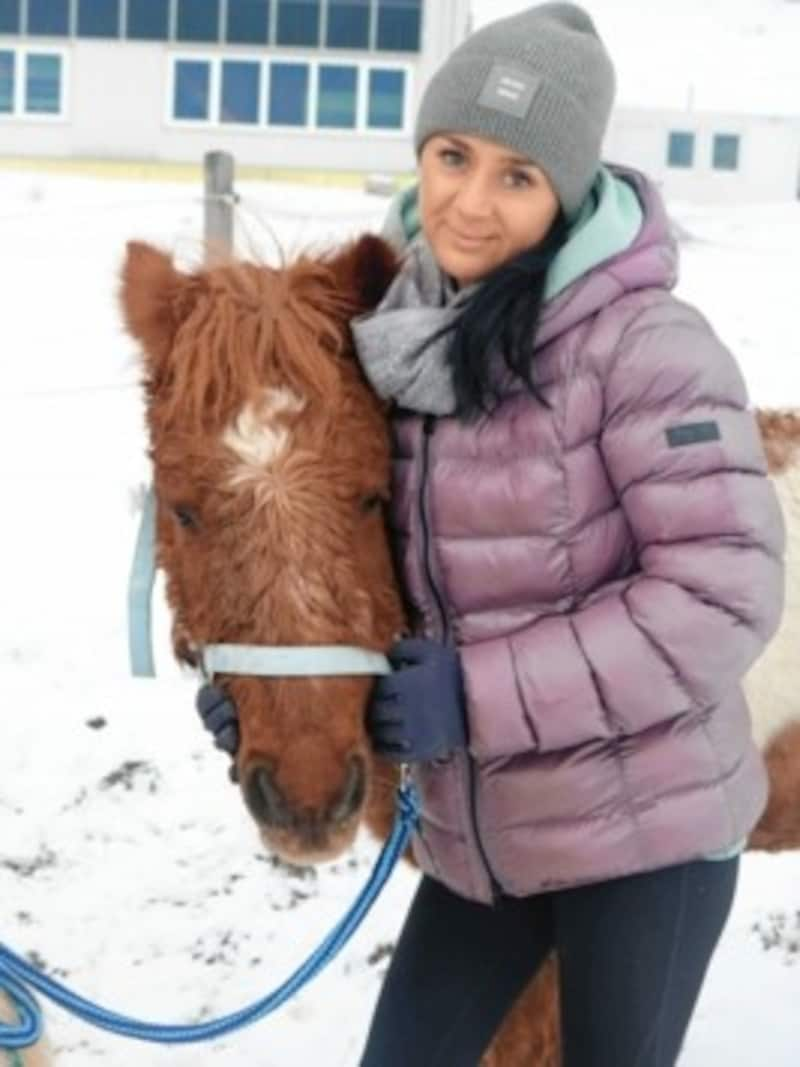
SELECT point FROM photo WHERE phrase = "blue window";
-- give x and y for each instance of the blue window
(336, 104)
(148, 20)
(43, 85)
(680, 150)
(192, 89)
(7, 61)
(399, 25)
(198, 20)
(248, 22)
(288, 94)
(9, 16)
(298, 21)
(98, 18)
(726, 151)
(348, 24)
(48, 18)
(387, 91)
(241, 82)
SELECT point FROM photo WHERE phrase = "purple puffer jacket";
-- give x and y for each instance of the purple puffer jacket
(610, 567)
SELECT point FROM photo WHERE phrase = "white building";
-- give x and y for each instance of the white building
(292, 83)
(335, 84)
(710, 156)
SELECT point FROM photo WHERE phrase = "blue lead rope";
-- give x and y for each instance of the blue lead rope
(16, 972)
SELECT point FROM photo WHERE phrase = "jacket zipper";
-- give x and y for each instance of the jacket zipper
(428, 429)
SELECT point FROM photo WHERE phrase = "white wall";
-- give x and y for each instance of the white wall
(769, 155)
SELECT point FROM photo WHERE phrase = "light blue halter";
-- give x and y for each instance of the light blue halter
(262, 660)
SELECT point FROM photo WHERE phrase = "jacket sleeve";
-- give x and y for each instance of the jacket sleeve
(683, 453)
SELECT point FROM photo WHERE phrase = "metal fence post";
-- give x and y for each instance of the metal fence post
(219, 202)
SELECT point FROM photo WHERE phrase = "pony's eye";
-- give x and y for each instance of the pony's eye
(371, 502)
(186, 517)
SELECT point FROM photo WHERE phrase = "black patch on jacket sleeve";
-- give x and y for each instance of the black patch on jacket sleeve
(693, 433)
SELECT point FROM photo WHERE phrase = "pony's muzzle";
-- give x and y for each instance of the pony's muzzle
(271, 809)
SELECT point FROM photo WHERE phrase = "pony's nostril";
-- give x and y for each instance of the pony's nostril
(352, 795)
(264, 800)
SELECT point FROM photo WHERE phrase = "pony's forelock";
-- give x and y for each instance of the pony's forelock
(243, 321)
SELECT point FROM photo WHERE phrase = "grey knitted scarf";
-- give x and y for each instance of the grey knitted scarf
(390, 341)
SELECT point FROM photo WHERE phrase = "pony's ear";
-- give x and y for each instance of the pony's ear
(365, 268)
(150, 295)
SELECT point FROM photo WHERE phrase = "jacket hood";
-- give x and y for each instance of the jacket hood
(621, 242)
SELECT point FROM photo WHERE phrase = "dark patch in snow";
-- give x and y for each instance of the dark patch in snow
(129, 774)
(76, 803)
(228, 889)
(780, 930)
(381, 952)
(224, 951)
(25, 868)
(97, 723)
(291, 870)
(296, 897)
(37, 960)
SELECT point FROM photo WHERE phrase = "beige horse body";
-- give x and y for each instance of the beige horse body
(239, 469)
(773, 684)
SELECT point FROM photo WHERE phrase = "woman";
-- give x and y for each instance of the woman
(587, 534)
(594, 554)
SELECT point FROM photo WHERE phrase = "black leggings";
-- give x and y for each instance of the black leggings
(633, 954)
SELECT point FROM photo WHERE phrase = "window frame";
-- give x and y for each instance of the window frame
(376, 47)
(261, 114)
(18, 111)
(12, 114)
(715, 139)
(389, 68)
(313, 62)
(201, 42)
(343, 64)
(212, 121)
(18, 31)
(692, 136)
(355, 49)
(225, 42)
(69, 35)
(321, 27)
(167, 39)
(76, 35)
(313, 81)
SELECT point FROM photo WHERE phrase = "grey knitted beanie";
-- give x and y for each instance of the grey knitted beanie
(540, 82)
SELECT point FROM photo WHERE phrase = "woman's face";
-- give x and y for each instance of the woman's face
(481, 204)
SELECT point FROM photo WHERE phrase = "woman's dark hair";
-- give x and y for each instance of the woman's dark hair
(502, 315)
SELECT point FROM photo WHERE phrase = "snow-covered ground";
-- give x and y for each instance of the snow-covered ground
(127, 863)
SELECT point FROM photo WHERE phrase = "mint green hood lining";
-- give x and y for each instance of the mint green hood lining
(607, 224)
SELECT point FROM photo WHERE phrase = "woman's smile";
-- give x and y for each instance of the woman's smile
(466, 240)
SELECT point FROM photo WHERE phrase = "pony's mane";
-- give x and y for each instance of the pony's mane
(245, 326)
(780, 432)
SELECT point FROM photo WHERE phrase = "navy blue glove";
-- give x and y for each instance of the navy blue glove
(417, 712)
(218, 713)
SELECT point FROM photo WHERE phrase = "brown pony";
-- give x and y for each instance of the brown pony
(271, 461)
